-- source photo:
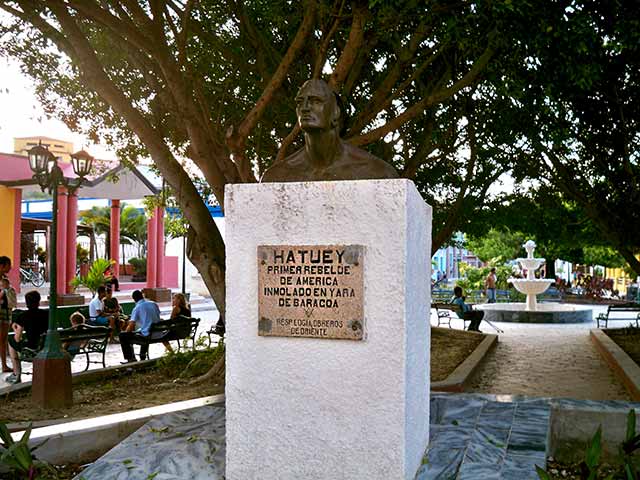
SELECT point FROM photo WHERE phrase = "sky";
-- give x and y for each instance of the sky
(22, 116)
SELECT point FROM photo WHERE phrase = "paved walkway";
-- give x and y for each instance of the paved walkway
(206, 312)
(550, 360)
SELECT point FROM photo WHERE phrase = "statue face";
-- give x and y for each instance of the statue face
(316, 106)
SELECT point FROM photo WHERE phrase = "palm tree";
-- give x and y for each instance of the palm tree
(98, 218)
(133, 228)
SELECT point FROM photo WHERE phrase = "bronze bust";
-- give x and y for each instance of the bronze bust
(325, 156)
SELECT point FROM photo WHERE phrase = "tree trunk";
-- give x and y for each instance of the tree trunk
(631, 259)
(208, 256)
(551, 268)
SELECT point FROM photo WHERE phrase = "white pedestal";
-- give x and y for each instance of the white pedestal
(306, 408)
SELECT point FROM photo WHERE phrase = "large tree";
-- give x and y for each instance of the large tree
(212, 81)
(579, 91)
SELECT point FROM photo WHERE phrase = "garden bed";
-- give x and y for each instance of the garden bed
(449, 348)
(628, 339)
(131, 390)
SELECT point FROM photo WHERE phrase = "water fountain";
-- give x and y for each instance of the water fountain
(531, 286)
(531, 311)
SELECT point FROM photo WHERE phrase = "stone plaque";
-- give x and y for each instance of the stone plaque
(311, 291)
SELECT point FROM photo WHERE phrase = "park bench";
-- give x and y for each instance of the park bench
(177, 329)
(82, 340)
(444, 311)
(620, 308)
(217, 329)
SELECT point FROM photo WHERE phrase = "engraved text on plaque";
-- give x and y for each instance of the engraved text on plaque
(311, 291)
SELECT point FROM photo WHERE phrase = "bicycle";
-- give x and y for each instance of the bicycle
(36, 277)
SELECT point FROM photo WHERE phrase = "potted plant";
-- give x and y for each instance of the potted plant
(139, 269)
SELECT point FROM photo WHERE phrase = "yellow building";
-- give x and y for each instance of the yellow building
(59, 148)
(620, 278)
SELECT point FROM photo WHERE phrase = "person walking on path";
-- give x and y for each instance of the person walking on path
(143, 315)
(490, 285)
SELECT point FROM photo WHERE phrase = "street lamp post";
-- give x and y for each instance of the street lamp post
(51, 386)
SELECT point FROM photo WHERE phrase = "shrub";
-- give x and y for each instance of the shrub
(95, 277)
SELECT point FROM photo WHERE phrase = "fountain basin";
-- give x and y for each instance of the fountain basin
(533, 286)
(544, 313)
(530, 263)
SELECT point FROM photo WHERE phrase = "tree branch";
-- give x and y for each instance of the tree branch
(428, 101)
(350, 51)
(326, 38)
(237, 138)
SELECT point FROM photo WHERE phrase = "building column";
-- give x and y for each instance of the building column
(71, 240)
(61, 244)
(159, 214)
(115, 236)
(152, 228)
(14, 274)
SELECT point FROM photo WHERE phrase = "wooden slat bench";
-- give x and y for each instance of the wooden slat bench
(620, 308)
(177, 329)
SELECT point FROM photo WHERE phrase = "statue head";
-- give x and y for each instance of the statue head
(317, 107)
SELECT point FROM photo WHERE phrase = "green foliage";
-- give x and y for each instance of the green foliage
(175, 226)
(473, 278)
(591, 467)
(602, 255)
(190, 363)
(97, 218)
(95, 276)
(82, 254)
(139, 265)
(497, 246)
(19, 458)
(42, 254)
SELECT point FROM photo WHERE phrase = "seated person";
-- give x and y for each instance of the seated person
(180, 308)
(97, 315)
(76, 320)
(144, 313)
(112, 308)
(28, 328)
(466, 312)
(111, 279)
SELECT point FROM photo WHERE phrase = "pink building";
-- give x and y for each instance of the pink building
(117, 184)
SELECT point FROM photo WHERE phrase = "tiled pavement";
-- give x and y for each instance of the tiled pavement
(475, 437)
(493, 437)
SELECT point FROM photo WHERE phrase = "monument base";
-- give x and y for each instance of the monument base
(327, 376)
(51, 387)
(158, 295)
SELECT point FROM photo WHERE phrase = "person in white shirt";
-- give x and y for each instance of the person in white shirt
(96, 312)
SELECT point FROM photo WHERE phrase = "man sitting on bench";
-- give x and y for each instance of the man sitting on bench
(143, 315)
(466, 312)
(35, 321)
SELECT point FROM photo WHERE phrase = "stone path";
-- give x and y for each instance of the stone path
(550, 360)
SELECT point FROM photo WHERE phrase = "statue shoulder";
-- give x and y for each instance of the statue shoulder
(377, 168)
(284, 170)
